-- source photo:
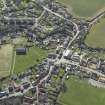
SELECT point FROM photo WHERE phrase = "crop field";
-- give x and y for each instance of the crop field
(34, 55)
(84, 8)
(96, 38)
(6, 52)
(79, 92)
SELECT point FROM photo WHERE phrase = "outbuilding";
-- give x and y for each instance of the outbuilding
(21, 51)
(67, 54)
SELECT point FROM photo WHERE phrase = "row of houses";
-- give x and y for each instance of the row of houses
(84, 60)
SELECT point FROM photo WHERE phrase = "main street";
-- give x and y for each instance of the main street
(75, 25)
(70, 42)
(83, 68)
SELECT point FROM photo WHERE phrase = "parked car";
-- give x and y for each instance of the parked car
(2, 94)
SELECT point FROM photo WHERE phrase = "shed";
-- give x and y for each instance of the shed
(21, 51)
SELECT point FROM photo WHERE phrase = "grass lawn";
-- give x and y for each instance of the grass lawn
(25, 61)
(96, 38)
(84, 8)
(6, 52)
(19, 41)
(79, 92)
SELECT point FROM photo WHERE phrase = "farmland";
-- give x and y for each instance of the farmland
(6, 52)
(96, 38)
(84, 8)
(79, 92)
(12, 63)
(34, 55)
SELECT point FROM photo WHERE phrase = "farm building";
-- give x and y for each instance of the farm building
(21, 51)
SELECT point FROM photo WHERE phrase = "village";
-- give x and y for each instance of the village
(47, 25)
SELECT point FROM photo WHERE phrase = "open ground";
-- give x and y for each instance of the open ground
(6, 52)
(12, 63)
(96, 37)
(79, 92)
(34, 55)
(84, 8)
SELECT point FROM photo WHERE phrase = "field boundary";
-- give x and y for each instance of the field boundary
(11, 67)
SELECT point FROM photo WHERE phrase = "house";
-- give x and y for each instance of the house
(10, 88)
(52, 56)
(67, 54)
(94, 76)
(30, 35)
(76, 57)
(83, 62)
(72, 68)
(17, 89)
(28, 100)
(21, 51)
(26, 85)
(102, 79)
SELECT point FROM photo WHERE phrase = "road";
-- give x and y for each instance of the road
(37, 20)
(60, 16)
(84, 68)
(70, 42)
(51, 67)
(96, 18)
(75, 25)
(17, 93)
(76, 35)
(57, 60)
(18, 18)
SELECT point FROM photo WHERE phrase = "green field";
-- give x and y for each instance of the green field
(84, 8)
(79, 92)
(34, 55)
(19, 41)
(6, 52)
(96, 38)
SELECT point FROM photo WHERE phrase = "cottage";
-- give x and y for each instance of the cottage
(76, 57)
(28, 100)
(21, 51)
(10, 88)
(102, 79)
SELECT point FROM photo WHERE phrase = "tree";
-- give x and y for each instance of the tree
(63, 88)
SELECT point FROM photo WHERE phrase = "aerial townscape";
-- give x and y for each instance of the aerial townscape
(52, 52)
